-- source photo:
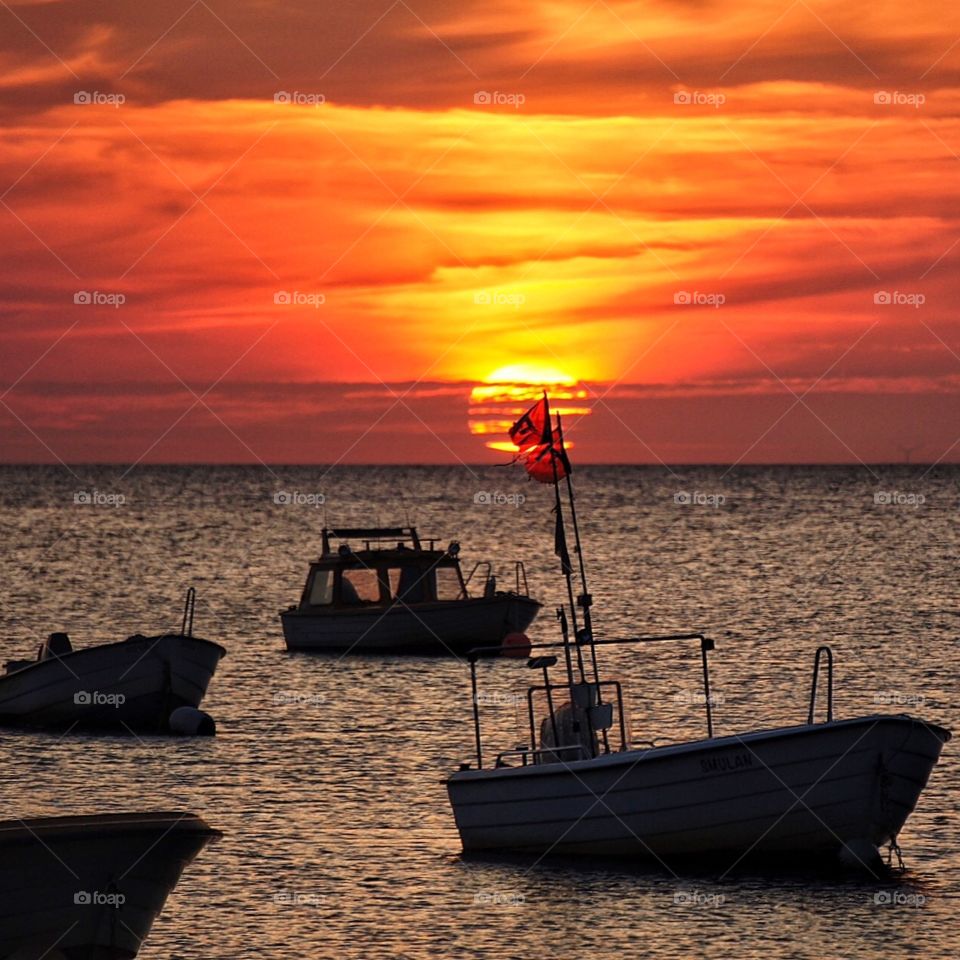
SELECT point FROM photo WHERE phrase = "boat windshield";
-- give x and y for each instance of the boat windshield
(321, 590)
(359, 586)
(410, 584)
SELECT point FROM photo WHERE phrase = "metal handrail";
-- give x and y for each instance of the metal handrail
(706, 644)
(521, 571)
(475, 653)
(816, 678)
(551, 687)
(476, 566)
(189, 605)
(538, 752)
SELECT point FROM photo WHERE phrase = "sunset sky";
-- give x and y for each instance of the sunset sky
(307, 231)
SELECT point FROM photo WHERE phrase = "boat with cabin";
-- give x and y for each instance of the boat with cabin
(579, 785)
(387, 590)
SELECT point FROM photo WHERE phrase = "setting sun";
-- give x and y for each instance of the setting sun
(529, 373)
(509, 390)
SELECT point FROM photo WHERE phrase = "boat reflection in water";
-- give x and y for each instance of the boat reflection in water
(90, 887)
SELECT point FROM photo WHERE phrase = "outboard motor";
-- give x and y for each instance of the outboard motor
(56, 645)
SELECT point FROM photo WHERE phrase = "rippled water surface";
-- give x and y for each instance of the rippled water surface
(326, 775)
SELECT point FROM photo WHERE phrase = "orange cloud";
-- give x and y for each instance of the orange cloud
(677, 195)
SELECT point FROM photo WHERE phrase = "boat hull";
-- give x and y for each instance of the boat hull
(443, 627)
(133, 685)
(800, 790)
(62, 880)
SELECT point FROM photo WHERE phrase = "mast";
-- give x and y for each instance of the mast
(565, 558)
(585, 600)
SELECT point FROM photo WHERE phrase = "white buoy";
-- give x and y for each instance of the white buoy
(191, 722)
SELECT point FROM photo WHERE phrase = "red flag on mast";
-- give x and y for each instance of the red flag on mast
(541, 452)
(533, 427)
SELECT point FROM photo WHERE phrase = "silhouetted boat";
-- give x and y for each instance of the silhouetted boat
(394, 594)
(837, 787)
(90, 887)
(579, 786)
(135, 684)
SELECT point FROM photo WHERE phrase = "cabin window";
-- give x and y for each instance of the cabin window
(448, 583)
(359, 586)
(321, 590)
(410, 584)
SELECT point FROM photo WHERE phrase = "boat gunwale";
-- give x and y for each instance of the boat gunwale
(633, 757)
(616, 789)
(99, 826)
(134, 639)
(427, 606)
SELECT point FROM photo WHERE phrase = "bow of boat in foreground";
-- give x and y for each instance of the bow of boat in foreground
(90, 886)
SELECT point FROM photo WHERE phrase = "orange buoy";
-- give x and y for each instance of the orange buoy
(515, 644)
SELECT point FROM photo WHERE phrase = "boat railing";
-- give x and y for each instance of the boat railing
(551, 688)
(374, 537)
(477, 654)
(189, 606)
(821, 651)
(489, 573)
(521, 571)
(520, 577)
(529, 756)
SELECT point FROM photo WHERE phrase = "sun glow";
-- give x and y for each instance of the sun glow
(529, 374)
(509, 390)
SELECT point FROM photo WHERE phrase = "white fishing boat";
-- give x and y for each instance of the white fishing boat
(135, 685)
(580, 786)
(385, 590)
(90, 887)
